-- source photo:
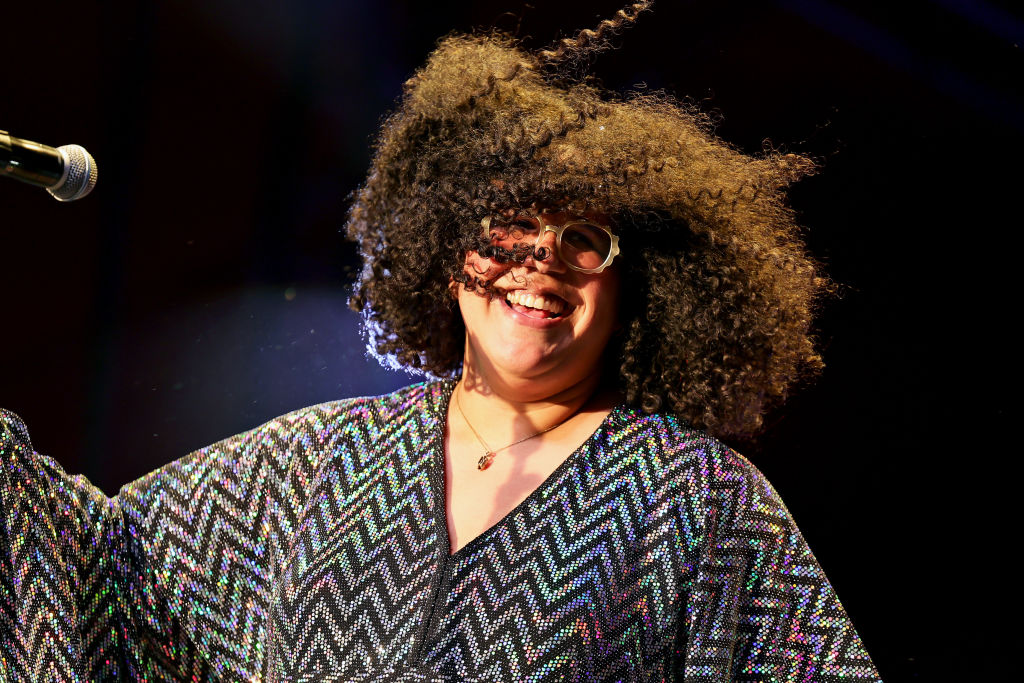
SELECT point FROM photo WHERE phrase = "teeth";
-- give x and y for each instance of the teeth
(538, 301)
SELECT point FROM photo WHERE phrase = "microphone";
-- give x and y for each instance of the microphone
(68, 173)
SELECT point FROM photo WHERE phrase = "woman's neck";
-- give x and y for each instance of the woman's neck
(506, 411)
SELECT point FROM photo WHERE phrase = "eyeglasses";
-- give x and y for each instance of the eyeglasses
(582, 245)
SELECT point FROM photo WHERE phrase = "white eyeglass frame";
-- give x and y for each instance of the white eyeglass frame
(613, 249)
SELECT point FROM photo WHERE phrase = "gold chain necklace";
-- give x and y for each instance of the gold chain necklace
(485, 460)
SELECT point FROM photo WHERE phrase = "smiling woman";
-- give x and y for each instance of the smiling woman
(536, 329)
(602, 290)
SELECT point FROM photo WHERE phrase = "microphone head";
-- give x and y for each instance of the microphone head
(79, 174)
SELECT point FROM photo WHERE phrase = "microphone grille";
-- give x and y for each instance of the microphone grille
(79, 174)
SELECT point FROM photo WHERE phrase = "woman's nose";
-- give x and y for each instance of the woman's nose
(545, 247)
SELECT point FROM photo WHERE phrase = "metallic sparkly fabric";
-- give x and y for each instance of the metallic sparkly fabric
(314, 548)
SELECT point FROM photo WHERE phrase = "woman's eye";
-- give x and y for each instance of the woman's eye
(579, 240)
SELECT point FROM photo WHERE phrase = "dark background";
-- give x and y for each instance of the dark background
(201, 289)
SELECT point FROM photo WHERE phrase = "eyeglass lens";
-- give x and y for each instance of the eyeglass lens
(585, 245)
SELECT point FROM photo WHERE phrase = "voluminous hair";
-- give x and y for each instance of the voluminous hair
(718, 289)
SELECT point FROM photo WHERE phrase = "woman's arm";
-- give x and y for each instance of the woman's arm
(761, 608)
(170, 580)
(67, 572)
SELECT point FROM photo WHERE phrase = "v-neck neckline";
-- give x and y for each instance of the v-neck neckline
(437, 475)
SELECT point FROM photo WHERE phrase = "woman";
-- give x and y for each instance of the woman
(605, 285)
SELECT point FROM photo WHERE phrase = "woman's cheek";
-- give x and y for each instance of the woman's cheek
(481, 268)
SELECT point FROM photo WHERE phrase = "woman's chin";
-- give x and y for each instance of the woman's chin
(521, 361)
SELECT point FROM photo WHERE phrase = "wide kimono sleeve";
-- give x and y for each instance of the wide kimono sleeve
(761, 608)
(170, 580)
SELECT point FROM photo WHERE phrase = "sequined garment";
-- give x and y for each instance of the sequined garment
(314, 548)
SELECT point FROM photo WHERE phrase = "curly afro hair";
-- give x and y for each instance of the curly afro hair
(718, 288)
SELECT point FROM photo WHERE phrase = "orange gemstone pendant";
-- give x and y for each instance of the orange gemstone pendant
(485, 460)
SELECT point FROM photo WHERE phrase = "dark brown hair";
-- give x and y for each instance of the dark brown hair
(718, 289)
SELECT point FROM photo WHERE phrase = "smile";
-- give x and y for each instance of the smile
(538, 306)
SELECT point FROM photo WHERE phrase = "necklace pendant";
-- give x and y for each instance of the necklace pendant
(485, 460)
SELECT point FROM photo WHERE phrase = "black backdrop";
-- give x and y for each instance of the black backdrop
(201, 289)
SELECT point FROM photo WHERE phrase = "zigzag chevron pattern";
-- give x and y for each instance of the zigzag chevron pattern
(314, 548)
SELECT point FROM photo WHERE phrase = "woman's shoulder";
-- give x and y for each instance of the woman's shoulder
(322, 430)
(678, 452)
(722, 497)
(394, 408)
(12, 428)
(299, 444)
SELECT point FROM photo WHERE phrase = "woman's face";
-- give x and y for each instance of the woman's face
(544, 326)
